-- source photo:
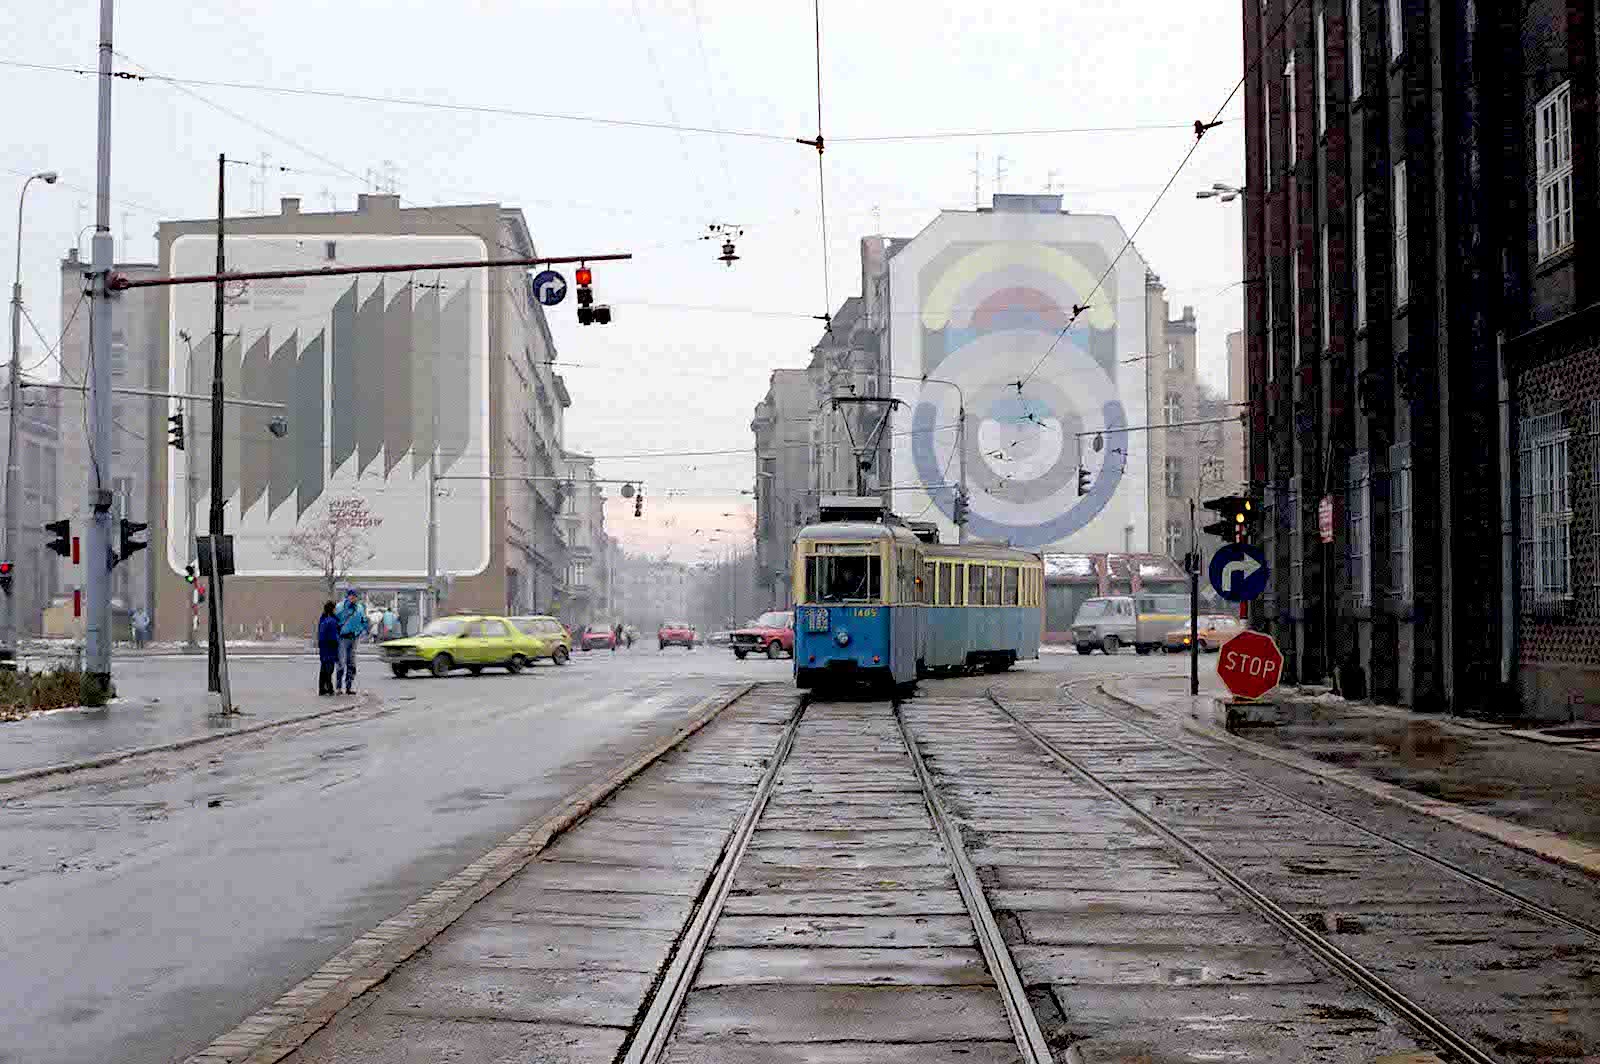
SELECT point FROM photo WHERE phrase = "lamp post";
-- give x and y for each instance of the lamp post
(8, 625)
(961, 444)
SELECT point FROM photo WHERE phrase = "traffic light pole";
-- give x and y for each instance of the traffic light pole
(97, 575)
(216, 652)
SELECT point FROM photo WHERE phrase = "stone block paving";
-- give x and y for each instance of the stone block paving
(1129, 952)
(1519, 986)
(556, 965)
(844, 939)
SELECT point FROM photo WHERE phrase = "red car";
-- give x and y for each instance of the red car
(772, 634)
(597, 637)
(675, 633)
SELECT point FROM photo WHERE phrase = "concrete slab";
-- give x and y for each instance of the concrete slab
(861, 966)
(845, 1014)
(1072, 929)
(592, 908)
(1142, 964)
(592, 997)
(1066, 877)
(777, 838)
(381, 1039)
(665, 851)
(816, 819)
(1246, 1043)
(736, 1051)
(820, 930)
(647, 879)
(483, 943)
(847, 903)
(1091, 1010)
(906, 855)
(657, 814)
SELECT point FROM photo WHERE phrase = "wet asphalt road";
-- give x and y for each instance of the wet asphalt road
(138, 919)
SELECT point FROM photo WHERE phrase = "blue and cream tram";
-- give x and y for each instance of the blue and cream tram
(876, 603)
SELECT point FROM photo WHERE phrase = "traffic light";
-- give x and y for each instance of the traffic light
(960, 515)
(175, 440)
(130, 545)
(588, 313)
(1234, 511)
(62, 530)
(5, 577)
(188, 573)
(1083, 481)
(638, 504)
(200, 593)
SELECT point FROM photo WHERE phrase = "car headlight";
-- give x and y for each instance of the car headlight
(842, 637)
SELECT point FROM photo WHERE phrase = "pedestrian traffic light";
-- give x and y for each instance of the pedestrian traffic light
(176, 432)
(1083, 481)
(129, 544)
(188, 573)
(5, 577)
(1233, 511)
(62, 530)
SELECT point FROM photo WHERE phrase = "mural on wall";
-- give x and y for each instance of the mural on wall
(978, 301)
(375, 374)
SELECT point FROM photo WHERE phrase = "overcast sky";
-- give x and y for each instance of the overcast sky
(693, 341)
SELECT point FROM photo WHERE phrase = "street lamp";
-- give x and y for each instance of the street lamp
(1220, 191)
(8, 627)
(961, 440)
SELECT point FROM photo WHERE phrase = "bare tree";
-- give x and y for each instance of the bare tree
(334, 543)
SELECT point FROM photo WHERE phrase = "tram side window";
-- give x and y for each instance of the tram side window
(942, 589)
(1010, 576)
(974, 585)
(843, 578)
(991, 585)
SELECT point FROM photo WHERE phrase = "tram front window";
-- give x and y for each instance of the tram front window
(843, 578)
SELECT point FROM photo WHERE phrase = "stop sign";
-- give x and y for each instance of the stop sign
(1250, 664)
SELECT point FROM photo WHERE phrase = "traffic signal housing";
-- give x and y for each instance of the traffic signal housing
(638, 504)
(175, 433)
(188, 573)
(62, 530)
(588, 313)
(1235, 516)
(130, 545)
(961, 508)
(5, 577)
(1083, 481)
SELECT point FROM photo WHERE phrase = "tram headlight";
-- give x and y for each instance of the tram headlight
(842, 638)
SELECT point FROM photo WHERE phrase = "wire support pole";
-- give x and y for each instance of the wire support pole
(216, 652)
(97, 572)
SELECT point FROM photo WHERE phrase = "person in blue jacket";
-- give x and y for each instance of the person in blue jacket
(327, 648)
(352, 626)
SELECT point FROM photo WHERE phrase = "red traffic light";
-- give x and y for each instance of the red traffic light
(584, 275)
(5, 568)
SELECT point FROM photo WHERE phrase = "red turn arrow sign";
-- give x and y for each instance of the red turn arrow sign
(1250, 664)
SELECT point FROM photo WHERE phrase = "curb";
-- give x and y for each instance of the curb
(280, 1028)
(1539, 842)
(366, 702)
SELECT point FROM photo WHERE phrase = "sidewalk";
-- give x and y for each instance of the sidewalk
(1487, 772)
(154, 710)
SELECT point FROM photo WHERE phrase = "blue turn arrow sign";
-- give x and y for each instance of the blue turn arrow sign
(549, 287)
(1239, 571)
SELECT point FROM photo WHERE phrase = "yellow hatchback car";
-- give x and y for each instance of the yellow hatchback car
(469, 643)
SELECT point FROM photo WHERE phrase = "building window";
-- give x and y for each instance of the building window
(1290, 112)
(1327, 285)
(1358, 504)
(1546, 532)
(1352, 37)
(1361, 260)
(1174, 408)
(1553, 135)
(1174, 355)
(1396, 29)
(1174, 539)
(1402, 265)
(1400, 519)
(1320, 75)
(1294, 306)
(1266, 128)
(1174, 477)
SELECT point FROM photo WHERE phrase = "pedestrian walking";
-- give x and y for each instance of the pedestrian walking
(616, 637)
(353, 624)
(327, 649)
(390, 623)
(141, 627)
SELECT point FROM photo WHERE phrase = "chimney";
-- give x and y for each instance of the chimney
(291, 205)
(374, 203)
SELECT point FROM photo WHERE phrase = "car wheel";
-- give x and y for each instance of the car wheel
(660, 647)
(1085, 648)
(740, 654)
(1142, 649)
(561, 657)
(516, 664)
(476, 670)
(1111, 645)
(774, 650)
(441, 665)
(401, 671)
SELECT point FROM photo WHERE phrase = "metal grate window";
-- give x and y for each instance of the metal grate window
(1545, 533)
(1400, 527)
(1358, 506)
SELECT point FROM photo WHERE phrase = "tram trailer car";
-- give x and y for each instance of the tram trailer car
(875, 604)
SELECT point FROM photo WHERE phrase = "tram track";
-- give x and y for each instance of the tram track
(1464, 991)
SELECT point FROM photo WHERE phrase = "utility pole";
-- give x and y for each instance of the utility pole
(97, 578)
(216, 653)
(433, 533)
